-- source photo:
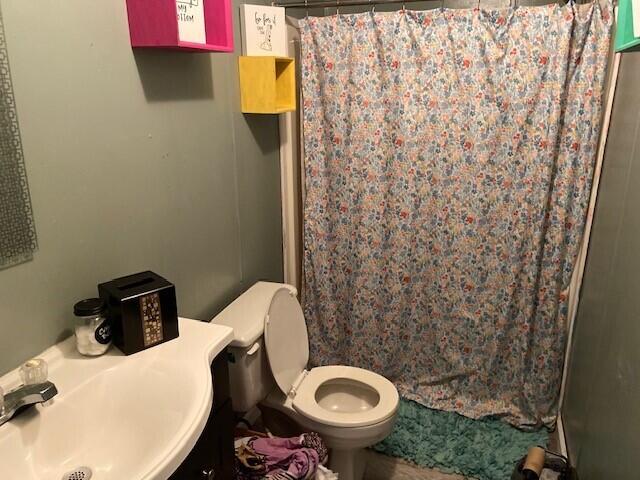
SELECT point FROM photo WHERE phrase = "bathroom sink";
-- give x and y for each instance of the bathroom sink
(124, 418)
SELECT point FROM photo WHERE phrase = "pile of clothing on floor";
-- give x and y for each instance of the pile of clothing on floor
(271, 458)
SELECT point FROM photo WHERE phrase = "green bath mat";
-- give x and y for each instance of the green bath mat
(485, 449)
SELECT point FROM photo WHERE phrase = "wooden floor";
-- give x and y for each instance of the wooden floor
(381, 467)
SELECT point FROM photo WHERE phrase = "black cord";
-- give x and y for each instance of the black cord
(563, 467)
(559, 455)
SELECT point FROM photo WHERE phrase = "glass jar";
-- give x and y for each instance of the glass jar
(93, 331)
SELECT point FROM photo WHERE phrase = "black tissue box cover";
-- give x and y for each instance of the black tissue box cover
(142, 310)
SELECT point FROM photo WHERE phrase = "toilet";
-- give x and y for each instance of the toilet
(351, 408)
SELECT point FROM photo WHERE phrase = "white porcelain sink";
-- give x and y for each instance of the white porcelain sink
(126, 418)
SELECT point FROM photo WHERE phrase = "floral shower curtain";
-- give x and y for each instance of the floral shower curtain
(448, 158)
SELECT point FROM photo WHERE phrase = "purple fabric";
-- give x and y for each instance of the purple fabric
(295, 458)
(287, 454)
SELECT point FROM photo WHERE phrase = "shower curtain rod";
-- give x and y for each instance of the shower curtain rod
(338, 3)
(353, 3)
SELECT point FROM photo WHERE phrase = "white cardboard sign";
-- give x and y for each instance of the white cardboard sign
(635, 10)
(264, 32)
(191, 21)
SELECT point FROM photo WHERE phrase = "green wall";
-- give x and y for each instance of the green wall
(601, 412)
(136, 160)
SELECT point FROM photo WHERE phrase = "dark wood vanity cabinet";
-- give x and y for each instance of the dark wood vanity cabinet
(213, 455)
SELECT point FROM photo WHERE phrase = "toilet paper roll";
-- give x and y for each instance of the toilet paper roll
(535, 460)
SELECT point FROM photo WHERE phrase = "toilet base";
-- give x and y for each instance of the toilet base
(347, 454)
(348, 464)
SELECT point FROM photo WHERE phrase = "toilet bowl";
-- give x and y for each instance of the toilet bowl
(351, 408)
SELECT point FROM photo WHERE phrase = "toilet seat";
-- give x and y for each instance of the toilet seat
(360, 397)
(306, 403)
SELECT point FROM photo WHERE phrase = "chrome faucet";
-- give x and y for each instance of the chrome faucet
(25, 396)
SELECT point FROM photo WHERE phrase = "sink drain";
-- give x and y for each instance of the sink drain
(80, 473)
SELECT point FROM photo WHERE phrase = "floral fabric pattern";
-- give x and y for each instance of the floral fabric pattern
(449, 158)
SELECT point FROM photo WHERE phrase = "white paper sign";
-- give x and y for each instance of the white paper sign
(263, 30)
(635, 10)
(191, 21)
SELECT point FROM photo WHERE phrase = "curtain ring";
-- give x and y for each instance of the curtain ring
(442, 5)
(403, 8)
(306, 7)
(338, 7)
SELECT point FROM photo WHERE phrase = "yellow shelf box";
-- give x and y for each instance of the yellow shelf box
(267, 84)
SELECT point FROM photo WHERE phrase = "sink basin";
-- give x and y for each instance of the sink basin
(125, 418)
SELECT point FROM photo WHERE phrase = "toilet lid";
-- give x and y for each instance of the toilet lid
(286, 340)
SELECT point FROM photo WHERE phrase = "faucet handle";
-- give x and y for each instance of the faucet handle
(34, 371)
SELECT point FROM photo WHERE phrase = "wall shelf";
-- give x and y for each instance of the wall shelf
(154, 24)
(267, 84)
(625, 41)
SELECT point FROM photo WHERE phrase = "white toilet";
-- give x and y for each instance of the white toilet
(351, 408)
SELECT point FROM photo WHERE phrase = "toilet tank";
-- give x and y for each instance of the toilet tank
(249, 372)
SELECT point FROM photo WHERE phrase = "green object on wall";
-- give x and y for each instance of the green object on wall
(625, 41)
